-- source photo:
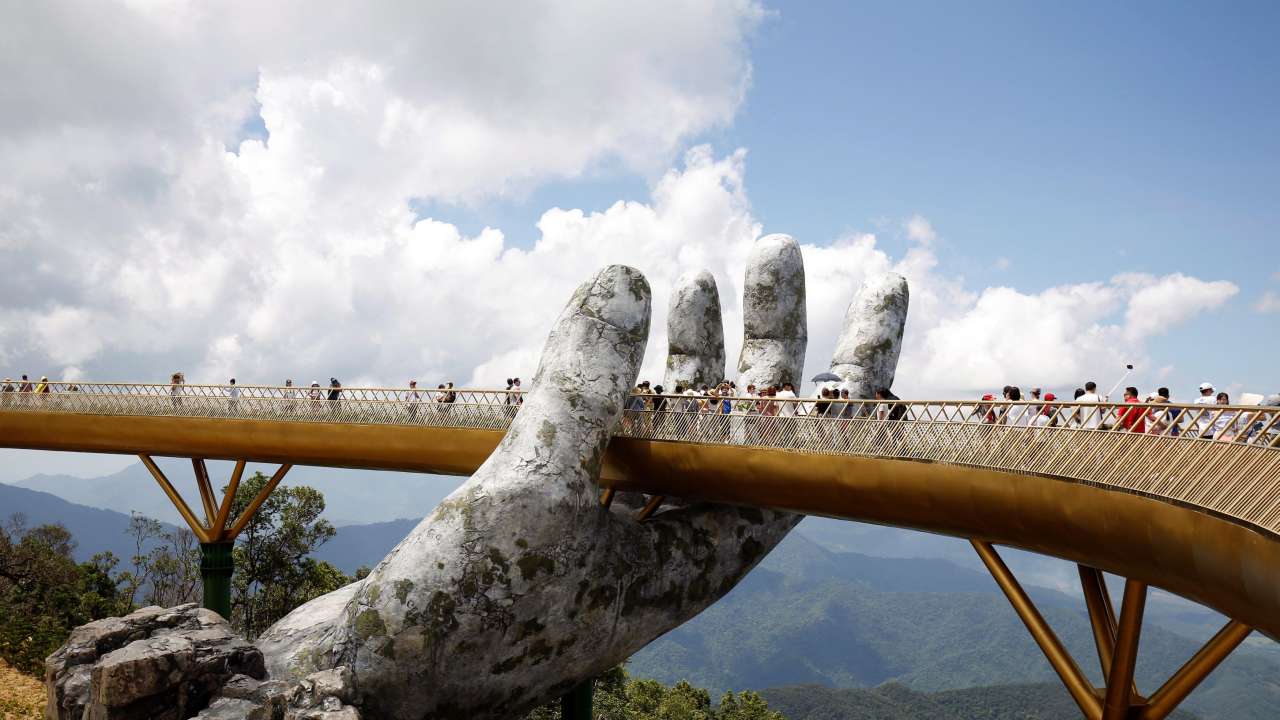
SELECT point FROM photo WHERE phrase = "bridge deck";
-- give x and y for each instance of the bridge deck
(1198, 517)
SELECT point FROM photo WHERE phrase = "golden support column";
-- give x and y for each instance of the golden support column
(1061, 661)
(216, 533)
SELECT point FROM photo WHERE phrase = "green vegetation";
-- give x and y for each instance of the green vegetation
(807, 616)
(166, 564)
(618, 697)
(274, 571)
(44, 593)
(1041, 701)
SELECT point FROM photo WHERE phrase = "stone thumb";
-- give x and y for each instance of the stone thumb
(588, 368)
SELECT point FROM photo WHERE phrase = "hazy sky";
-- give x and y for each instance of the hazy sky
(395, 192)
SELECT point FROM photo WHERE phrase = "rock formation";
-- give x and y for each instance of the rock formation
(695, 333)
(867, 352)
(775, 326)
(520, 586)
(152, 663)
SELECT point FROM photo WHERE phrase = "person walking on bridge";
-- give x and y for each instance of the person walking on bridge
(290, 395)
(1132, 419)
(6, 392)
(335, 395)
(175, 389)
(43, 387)
(1204, 421)
(233, 393)
(1089, 418)
(1226, 425)
(413, 399)
(314, 397)
(26, 386)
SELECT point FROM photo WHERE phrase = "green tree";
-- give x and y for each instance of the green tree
(273, 571)
(619, 698)
(44, 592)
(165, 564)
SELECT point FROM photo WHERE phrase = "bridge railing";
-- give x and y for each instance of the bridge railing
(1225, 459)
(447, 407)
(1222, 458)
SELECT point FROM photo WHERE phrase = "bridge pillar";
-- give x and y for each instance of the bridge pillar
(577, 703)
(216, 565)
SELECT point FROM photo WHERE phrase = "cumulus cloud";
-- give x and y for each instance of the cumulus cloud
(156, 235)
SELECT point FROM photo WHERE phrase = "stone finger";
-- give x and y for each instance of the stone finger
(775, 326)
(695, 333)
(866, 355)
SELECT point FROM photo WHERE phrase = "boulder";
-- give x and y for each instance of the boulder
(152, 663)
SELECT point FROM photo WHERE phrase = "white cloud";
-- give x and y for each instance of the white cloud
(920, 230)
(1267, 304)
(1055, 338)
(147, 247)
(1158, 304)
(1003, 263)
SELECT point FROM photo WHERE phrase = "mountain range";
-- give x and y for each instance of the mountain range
(839, 605)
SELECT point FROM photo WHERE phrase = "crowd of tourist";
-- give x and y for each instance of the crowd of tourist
(1086, 409)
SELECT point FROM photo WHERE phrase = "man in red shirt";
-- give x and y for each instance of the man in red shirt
(1133, 419)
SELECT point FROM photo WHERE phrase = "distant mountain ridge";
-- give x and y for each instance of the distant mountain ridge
(94, 529)
(808, 616)
(351, 496)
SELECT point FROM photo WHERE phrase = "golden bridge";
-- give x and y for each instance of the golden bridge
(1191, 506)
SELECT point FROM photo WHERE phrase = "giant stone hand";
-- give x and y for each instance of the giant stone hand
(520, 585)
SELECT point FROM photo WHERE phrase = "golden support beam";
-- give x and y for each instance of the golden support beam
(215, 529)
(199, 530)
(1063, 664)
(1189, 676)
(1120, 693)
(257, 503)
(206, 491)
(650, 507)
(606, 498)
(224, 510)
(1101, 616)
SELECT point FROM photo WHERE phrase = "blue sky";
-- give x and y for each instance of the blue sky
(1047, 144)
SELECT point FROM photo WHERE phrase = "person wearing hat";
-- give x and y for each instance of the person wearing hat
(43, 386)
(983, 412)
(1204, 423)
(1048, 415)
(6, 391)
(413, 399)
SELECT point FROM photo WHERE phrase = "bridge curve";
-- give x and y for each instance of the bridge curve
(1195, 516)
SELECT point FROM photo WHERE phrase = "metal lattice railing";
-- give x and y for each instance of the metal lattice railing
(482, 409)
(1225, 459)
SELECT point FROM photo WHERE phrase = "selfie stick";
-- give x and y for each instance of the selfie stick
(1127, 369)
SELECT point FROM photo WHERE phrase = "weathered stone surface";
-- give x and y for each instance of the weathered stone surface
(153, 663)
(319, 695)
(775, 326)
(867, 352)
(519, 585)
(695, 333)
(225, 708)
(141, 669)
